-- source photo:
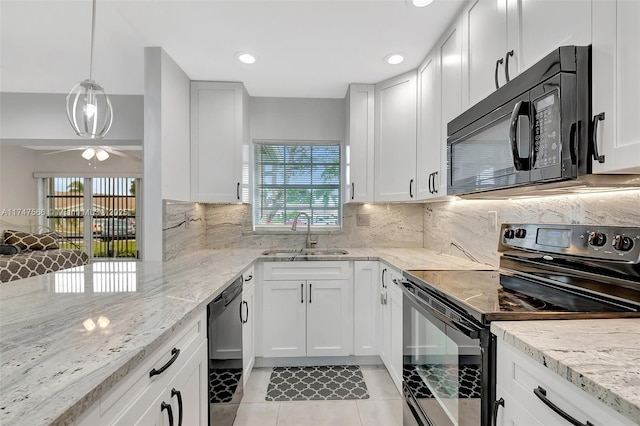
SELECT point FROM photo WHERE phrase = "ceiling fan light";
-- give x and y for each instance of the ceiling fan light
(88, 153)
(101, 154)
(422, 3)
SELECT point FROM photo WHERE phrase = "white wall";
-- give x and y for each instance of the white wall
(42, 116)
(297, 118)
(18, 188)
(166, 144)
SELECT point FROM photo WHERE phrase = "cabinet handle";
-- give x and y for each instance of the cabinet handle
(177, 393)
(301, 293)
(240, 312)
(594, 137)
(165, 406)
(246, 317)
(506, 65)
(411, 188)
(496, 407)
(310, 288)
(353, 190)
(435, 188)
(495, 76)
(384, 271)
(238, 191)
(430, 186)
(249, 278)
(174, 352)
(542, 394)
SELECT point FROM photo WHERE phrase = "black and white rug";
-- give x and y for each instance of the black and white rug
(323, 383)
(447, 380)
(223, 383)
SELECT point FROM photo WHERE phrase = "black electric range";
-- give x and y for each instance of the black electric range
(546, 272)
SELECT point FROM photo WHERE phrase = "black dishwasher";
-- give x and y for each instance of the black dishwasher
(225, 318)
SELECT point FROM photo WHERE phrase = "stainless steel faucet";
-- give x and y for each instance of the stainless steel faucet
(310, 242)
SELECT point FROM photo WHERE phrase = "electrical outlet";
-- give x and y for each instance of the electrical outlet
(492, 222)
(363, 219)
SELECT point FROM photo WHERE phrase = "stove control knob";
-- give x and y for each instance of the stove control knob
(597, 239)
(508, 234)
(622, 243)
(521, 233)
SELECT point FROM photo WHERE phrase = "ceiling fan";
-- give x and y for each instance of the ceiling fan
(99, 153)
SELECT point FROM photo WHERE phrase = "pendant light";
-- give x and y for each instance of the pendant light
(88, 107)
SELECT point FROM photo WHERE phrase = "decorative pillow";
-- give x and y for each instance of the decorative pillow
(29, 241)
(9, 249)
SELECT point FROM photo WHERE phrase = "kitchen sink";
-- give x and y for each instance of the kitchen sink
(304, 252)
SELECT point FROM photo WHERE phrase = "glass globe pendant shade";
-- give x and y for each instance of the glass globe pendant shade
(89, 110)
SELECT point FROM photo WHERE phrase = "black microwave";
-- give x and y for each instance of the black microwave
(535, 129)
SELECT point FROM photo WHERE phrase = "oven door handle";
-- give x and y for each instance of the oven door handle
(468, 329)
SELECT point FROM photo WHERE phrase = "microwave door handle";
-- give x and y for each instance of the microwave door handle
(520, 109)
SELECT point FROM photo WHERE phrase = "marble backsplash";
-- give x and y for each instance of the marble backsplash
(183, 228)
(391, 225)
(461, 227)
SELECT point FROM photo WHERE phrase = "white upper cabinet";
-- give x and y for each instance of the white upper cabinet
(485, 47)
(220, 156)
(504, 37)
(395, 138)
(450, 53)
(616, 86)
(430, 147)
(360, 143)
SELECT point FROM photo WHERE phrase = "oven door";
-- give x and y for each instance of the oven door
(446, 370)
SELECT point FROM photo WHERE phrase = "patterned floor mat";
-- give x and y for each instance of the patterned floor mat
(223, 383)
(442, 378)
(325, 382)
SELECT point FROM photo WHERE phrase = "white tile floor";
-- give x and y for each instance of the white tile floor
(383, 408)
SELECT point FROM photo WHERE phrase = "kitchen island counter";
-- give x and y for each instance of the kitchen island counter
(68, 337)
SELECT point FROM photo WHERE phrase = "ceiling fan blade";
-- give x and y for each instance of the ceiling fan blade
(64, 150)
(123, 154)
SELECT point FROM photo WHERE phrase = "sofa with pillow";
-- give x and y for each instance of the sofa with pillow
(26, 254)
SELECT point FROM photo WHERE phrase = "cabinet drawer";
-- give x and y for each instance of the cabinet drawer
(526, 375)
(187, 340)
(329, 270)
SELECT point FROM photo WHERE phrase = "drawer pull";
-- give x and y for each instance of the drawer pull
(542, 394)
(165, 406)
(177, 393)
(175, 352)
(249, 278)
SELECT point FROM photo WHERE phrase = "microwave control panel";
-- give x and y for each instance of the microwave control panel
(546, 137)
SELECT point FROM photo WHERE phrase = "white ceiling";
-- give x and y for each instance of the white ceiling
(303, 48)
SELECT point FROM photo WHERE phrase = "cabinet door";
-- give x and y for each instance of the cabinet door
(217, 139)
(616, 87)
(248, 331)
(547, 25)
(395, 138)
(360, 143)
(429, 171)
(394, 302)
(329, 318)
(188, 391)
(284, 318)
(485, 42)
(450, 51)
(366, 296)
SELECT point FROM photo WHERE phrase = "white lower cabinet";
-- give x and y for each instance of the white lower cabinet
(310, 313)
(391, 350)
(248, 317)
(171, 384)
(367, 304)
(523, 383)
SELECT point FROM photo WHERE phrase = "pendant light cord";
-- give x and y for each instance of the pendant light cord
(93, 27)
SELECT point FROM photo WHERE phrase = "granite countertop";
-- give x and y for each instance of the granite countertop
(600, 356)
(53, 368)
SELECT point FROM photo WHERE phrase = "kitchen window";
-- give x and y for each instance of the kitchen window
(293, 177)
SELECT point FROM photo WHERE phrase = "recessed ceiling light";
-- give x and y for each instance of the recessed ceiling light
(394, 58)
(422, 3)
(246, 58)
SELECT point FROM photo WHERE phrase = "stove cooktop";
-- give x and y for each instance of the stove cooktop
(507, 295)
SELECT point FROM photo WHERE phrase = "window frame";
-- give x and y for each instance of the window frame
(284, 228)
